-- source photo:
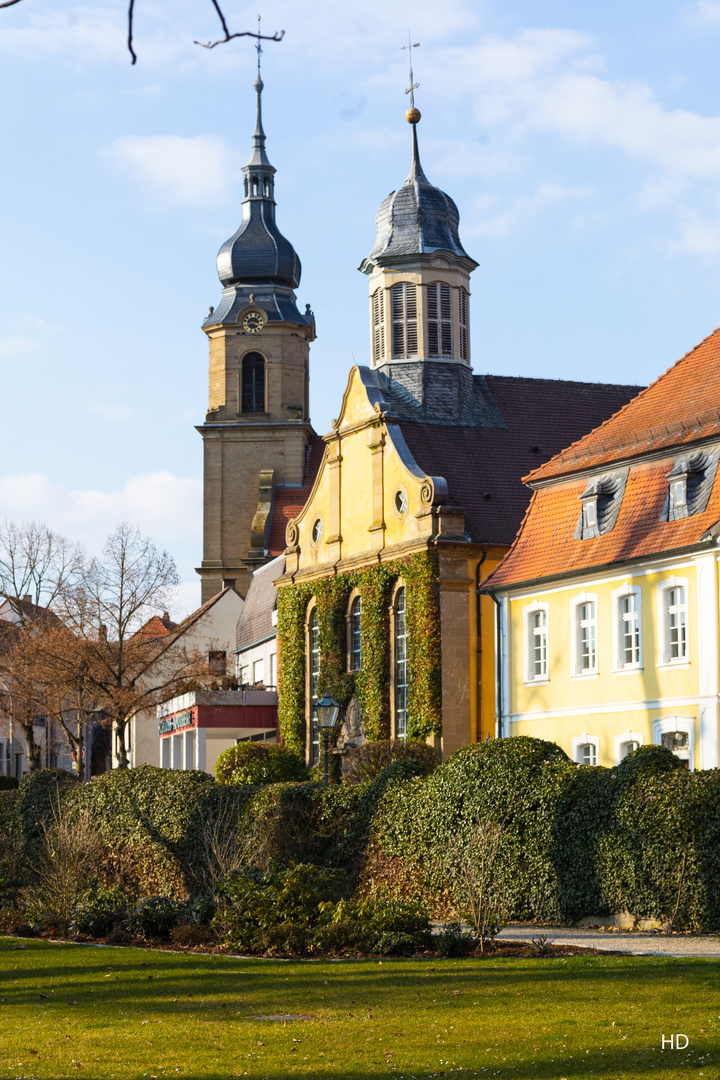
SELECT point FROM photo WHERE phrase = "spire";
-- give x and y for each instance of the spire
(258, 156)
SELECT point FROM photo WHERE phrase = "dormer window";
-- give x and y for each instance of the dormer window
(678, 492)
(590, 512)
(690, 482)
(601, 501)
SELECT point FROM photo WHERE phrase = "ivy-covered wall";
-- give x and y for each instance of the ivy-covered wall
(419, 573)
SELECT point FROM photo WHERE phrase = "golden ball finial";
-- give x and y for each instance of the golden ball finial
(413, 115)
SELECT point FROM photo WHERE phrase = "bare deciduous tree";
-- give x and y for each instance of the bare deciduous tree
(36, 563)
(121, 668)
(479, 893)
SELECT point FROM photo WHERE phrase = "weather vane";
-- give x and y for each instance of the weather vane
(413, 85)
(258, 46)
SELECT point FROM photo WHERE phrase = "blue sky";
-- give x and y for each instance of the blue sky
(581, 142)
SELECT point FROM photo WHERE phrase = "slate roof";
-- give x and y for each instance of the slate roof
(484, 465)
(289, 501)
(255, 622)
(677, 412)
(680, 407)
(417, 219)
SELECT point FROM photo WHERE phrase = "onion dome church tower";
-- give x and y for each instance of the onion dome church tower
(257, 433)
(419, 279)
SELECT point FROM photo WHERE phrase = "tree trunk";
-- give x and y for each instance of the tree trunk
(31, 747)
(119, 727)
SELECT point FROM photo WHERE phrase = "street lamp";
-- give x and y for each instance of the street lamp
(327, 710)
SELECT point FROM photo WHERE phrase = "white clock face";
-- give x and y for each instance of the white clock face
(253, 322)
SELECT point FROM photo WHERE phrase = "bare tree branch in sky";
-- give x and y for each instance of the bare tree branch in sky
(209, 45)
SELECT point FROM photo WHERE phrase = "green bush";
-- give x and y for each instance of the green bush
(368, 761)
(99, 911)
(298, 910)
(155, 917)
(259, 763)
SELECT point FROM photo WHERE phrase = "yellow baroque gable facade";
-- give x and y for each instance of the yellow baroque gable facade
(373, 504)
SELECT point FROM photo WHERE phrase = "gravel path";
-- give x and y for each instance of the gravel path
(636, 942)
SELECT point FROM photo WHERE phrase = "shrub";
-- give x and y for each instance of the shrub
(259, 763)
(367, 761)
(8, 783)
(454, 941)
(155, 916)
(99, 911)
(191, 934)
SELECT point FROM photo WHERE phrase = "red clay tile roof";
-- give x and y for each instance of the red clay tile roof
(157, 626)
(289, 501)
(484, 466)
(546, 546)
(680, 407)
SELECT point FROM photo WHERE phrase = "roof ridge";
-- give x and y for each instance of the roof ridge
(567, 454)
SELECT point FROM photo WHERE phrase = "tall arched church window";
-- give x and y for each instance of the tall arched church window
(356, 634)
(378, 319)
(404, 320)
(314, 684)
(253, 383)
(401, 666)
(439, 317)
(463, 297)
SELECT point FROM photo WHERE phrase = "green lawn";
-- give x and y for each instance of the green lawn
(74, 1010)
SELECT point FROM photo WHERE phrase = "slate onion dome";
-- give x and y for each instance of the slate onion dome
(258, 252)
(418, 218)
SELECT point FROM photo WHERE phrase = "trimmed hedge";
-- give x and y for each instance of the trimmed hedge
(259, 763)
(642, 837)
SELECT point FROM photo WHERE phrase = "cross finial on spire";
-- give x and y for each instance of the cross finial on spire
(258, 46)
(413, 85)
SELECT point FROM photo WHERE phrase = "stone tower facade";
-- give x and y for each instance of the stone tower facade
(419, 281)
(257, 430)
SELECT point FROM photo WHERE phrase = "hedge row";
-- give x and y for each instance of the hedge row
(642, 837)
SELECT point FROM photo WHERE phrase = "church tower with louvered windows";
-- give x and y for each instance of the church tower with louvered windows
(419, 278)
(257, 435)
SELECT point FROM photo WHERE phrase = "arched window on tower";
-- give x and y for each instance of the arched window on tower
(404, 320)
(463, 297)
(439, 318)
(378, 325)
(253, 383)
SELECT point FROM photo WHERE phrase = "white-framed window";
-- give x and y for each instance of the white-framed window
(626, 743)
(439, 319)
(535, 618)
(584, 637)
(273, 669)
(378, 324)
(585, 749)
(673, 621)
(627, 629)
(258, 671)
(677, 733)
(404, 320)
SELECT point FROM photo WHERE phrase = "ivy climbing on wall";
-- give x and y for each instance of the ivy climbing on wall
(375, 584)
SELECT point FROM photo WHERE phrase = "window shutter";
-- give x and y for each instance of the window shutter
(463, 324)
(378, 313)
(439, 319)
(404, 320)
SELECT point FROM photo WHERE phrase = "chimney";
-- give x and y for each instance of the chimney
(166, 616)
(27, 598)
(228, 583)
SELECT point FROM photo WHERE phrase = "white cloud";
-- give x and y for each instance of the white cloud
(698, 235)
(118, 413)
(17, 346)
(93, 33)
(165, 507)
(705, 13)
(523, 207)
(197, 168)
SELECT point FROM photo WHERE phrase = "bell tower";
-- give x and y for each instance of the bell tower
(419, 282)
(257, 428)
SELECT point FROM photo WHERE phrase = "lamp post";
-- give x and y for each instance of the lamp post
(327, 710)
